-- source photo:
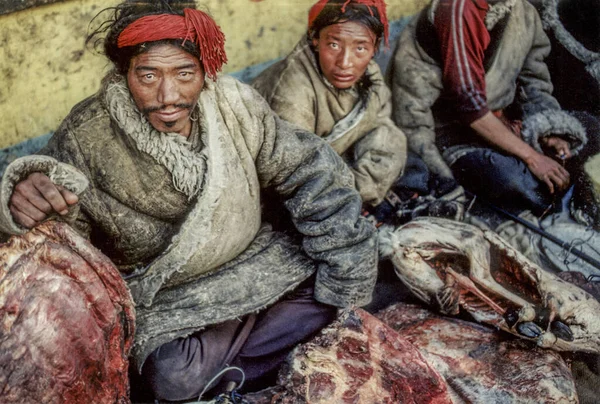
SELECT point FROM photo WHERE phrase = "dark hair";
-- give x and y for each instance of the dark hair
(357, 12)
(105, 36)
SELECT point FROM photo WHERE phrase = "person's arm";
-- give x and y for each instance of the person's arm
(325, 208)
(463, 39)
(544, 168)
(37, 187)
(318, 191)
(37, 197)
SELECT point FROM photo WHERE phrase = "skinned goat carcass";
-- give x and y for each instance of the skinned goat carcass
(66, 321)
(453, 265)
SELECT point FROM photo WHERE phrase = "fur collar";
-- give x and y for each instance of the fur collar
(497, 11)
(171, 150)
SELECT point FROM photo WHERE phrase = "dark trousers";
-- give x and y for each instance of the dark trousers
(257, 343)
(506, 180)
(503, 180)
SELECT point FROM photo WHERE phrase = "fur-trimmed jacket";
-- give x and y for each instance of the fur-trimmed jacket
(516, 76)
(182, 217)
(355, 122)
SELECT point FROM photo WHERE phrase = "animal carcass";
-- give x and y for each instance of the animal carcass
(359, 360)
(66, 321)
(430, 359)
(453, 265)
(481, 365)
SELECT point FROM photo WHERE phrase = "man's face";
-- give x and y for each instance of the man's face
(345, 50)
(165, 83)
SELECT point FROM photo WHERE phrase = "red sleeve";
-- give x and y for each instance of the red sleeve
(460, 26)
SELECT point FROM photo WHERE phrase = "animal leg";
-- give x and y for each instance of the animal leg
(448, 297)
(466, 283)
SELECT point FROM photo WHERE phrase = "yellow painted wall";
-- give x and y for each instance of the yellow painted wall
(45, 69)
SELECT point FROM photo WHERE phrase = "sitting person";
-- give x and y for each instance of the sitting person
(330, 84)
(176, 156)
(473, 94)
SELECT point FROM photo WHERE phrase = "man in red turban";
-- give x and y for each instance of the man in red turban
(177, 158)
(330, 84)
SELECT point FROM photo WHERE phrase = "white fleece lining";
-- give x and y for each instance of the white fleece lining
(191, 236)
(171, 150)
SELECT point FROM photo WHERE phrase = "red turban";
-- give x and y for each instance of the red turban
(378, 4)
(194, 25)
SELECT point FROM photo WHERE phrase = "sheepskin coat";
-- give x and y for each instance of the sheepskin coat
(182, 218)
(357, 124)
(516, 76)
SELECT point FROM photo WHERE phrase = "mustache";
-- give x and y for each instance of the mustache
(158, 108)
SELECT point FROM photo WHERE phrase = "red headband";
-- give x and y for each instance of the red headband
(194, 25)
(378, 4)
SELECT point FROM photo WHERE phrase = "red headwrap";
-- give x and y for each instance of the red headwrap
(378, 4)
(194, 25)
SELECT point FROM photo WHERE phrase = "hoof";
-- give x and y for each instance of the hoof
(511, 317)
(562, 331)
(529, 329)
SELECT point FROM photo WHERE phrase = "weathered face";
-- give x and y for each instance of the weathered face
(165, 83)
(345, 50)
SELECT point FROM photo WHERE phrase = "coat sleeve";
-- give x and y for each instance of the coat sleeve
(542, 115)
(318, 191)
(380, 155)
(416, 85)
(61, 171)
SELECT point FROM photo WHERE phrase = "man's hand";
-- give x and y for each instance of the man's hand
(37, 197)
(544, 168)
(560, 146)
(548, 171)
